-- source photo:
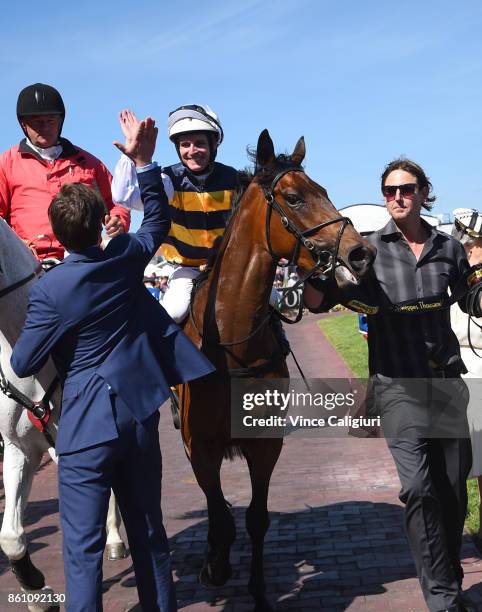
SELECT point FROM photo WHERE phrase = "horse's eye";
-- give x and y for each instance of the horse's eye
(293, 199)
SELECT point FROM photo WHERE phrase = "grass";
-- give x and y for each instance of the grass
(472, 519)
(342, 332)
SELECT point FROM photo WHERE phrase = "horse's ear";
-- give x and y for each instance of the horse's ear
(264, 150)
(299, 152)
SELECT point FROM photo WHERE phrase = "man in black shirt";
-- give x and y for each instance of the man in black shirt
(415, 367)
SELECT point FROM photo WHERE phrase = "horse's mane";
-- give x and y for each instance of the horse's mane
(264, 176)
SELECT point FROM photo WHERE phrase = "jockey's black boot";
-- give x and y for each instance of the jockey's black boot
(280, 334)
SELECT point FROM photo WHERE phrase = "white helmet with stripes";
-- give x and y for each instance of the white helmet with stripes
(194, 118)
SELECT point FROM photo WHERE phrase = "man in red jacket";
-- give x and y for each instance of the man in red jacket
(33, 172)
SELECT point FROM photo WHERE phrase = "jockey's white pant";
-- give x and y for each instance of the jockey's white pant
(178, 295)
(177, 298)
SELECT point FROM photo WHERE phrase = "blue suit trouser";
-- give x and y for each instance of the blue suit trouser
(131, 465)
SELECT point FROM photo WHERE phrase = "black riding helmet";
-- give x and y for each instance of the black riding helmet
(40, 99)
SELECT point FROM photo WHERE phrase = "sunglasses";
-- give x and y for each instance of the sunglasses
(406, 191)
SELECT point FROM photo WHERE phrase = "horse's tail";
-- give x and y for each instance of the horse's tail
(233, 451)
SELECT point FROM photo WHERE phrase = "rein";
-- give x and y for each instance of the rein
(38, 412)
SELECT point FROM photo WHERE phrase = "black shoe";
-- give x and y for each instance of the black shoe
(463, 605)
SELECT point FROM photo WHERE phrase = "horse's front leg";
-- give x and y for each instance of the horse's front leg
(18, 473)
(115, 547)
(261, 456)
(206, 459)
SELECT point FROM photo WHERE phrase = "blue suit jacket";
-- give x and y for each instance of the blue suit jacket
(106, 334)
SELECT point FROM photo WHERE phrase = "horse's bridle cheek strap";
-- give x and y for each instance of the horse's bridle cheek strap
(285, 222)
(302, 236)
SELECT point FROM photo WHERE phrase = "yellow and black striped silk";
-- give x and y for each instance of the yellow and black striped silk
(199, 211)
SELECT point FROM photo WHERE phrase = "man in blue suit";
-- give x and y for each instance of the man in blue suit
(117, 352)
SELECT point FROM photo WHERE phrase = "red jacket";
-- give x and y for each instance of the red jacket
(28, 183)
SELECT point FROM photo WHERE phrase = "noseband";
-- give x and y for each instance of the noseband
(327, 268)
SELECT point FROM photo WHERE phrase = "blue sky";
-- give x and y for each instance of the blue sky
(363, 81)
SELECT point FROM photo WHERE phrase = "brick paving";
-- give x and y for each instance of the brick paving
(336, 540)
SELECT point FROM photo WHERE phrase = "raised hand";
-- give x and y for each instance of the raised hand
(129, 125)
(140, 138)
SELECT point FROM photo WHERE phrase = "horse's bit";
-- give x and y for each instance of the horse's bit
(38, 412)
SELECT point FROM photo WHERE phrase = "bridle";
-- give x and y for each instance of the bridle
(38, 412)
(326, 261)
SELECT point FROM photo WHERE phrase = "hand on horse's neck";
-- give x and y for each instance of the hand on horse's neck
(415, 236)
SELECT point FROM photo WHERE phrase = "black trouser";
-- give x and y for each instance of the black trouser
(433, 474)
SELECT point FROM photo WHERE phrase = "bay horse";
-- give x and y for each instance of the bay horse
(281, 214)
(24, 444)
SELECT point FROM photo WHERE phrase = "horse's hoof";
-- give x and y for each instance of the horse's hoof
(116, 551)
(42, 604)
(210, 579)
(28, 576)
(55, 608)
(35, 608)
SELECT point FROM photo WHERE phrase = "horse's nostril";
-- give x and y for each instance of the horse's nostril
(361, 258)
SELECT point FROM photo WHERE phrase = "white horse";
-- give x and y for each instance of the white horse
(24, 444)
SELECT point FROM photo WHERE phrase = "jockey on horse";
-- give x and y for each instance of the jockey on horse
(201, 193)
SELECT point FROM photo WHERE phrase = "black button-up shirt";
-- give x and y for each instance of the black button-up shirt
(412, 345)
